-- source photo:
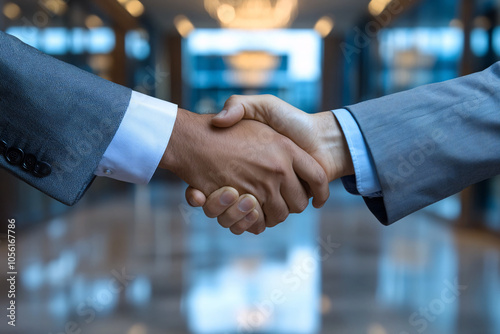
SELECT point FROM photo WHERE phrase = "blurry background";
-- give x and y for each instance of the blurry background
(138, 260)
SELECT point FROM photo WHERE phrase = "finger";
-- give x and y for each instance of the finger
(219, 201)
(275, 209)
(294, 194)
(260, 224)
(313, 174)
(246, 224)
(238, 211)
(194, 197)
(258, 227)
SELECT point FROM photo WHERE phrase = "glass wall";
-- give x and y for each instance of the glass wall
(220, 63)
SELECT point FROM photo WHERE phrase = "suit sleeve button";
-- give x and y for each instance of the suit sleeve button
(29, 162)
(42, 169)
(14, 156)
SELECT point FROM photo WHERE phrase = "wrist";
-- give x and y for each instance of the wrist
(179, 143)
(334, 146)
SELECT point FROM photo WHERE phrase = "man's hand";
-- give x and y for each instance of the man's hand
(319, 134)
(252, 158)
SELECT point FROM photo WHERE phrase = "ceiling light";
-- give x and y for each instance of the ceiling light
(254, 61)
(324, 26)
(183, 25)
(252, 14)
(376, 7)
(57, 7)
(93, 21)
(482, 22)
(456, 23)
(135, 8)
(11, 11)
(226, 13)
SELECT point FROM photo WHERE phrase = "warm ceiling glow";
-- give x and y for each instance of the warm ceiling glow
(57, 7)
(252, 14)
(482, 22)
(456, 23)
(93, 21)
(11, 11)
(183, 25)
(376, 7)
(324, 26)
(226, 13)
(135, 8)
(253, 61)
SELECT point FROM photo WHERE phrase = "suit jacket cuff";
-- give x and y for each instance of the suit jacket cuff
(365, 182)
(140, 142)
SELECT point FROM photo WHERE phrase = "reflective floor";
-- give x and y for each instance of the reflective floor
(148, 263)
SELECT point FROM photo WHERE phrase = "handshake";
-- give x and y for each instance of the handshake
(257, 161)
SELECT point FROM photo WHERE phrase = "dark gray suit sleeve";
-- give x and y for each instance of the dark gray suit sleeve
(431, 142)
(56, 121)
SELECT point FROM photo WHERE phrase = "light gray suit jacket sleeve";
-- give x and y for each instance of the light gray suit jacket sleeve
(431, 142)
(56, 121)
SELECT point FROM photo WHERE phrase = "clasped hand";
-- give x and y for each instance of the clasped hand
(273, 154)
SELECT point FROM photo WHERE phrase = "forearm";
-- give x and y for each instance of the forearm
(433, 141)
(57, 113)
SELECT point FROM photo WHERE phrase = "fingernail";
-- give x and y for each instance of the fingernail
(221, 114)
(192, 202)
(227, 197)
(246, 204)
(252, 216)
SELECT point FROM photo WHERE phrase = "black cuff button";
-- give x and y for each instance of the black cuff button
(29, 162)
(14, 156)
(42, 169)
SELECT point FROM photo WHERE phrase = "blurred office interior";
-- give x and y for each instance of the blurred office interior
(138, 260)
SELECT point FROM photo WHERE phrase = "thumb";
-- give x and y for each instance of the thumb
(228, 117)
(195, 198)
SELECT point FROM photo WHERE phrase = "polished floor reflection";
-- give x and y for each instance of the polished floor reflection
(147, 263)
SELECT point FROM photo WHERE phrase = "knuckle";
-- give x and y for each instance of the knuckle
(254, 230)
(209, 211)
(278, 169)
(281, 216)
(270, 97)
(233, 99)
(302, 206)
(320, 178)
(224, 221)
(236, 229)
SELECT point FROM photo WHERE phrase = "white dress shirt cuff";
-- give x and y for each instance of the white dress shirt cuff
(140, 142)
(366, 180)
